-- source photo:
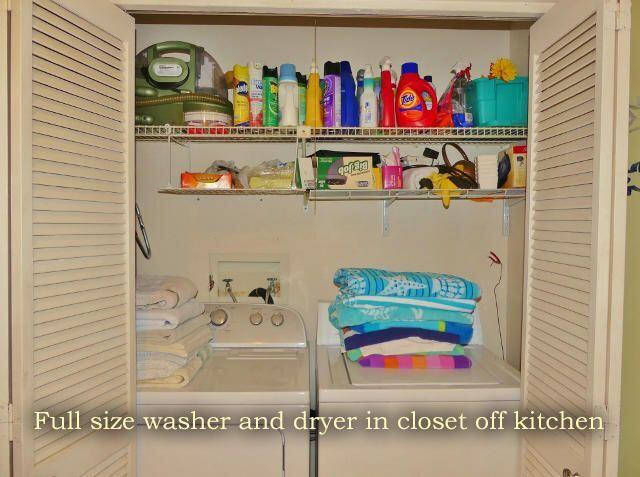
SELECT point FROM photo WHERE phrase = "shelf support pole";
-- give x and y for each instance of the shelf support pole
(386, 204)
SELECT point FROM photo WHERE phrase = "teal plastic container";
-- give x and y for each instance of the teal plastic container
(496, 103)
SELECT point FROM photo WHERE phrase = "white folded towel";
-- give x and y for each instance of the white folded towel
(184, 347)
(154, 319)
(163, 292)
(180, 377)
(167, 337)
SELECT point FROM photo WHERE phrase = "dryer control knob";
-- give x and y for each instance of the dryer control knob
(277, 319)
(219, 317)
(255, 318)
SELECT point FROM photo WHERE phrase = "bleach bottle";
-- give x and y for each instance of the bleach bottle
(348, 104)
(416, 102)
(288, 95)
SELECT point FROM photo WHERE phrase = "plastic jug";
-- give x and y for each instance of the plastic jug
(348, 104)
(331, 98)
(269, 96)
(416, 102)
(288, 95)
(314, 95)
(387, 95)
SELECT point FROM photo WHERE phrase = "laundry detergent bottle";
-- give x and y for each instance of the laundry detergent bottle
(288, 95)
(314, 96)
(416, 102)
(269, 96)
(331, 98)
(387, 95)
(348, 104)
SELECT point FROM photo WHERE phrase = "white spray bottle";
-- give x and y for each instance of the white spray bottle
(368, 101)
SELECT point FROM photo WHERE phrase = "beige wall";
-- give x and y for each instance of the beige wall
(630, 419)
(184, 231)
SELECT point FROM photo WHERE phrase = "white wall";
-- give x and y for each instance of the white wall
(424, 236)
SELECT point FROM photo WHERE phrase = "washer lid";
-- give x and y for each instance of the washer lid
(243, 376)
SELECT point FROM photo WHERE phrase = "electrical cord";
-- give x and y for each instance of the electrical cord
(495, 260)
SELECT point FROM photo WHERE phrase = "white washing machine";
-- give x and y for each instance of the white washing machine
(404, 397)
(259, 368)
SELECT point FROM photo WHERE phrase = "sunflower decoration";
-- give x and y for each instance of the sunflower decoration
(504, 69)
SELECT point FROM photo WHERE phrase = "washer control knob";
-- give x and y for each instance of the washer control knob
(219, 317)
(277, 319)
(255, 318)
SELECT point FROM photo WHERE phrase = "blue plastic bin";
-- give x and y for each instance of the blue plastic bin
(496, 103)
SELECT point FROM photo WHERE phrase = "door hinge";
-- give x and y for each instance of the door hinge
(623, 16)
(10, 419)
(610, 429)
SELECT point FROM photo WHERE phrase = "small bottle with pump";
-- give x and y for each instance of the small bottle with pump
(368, 101)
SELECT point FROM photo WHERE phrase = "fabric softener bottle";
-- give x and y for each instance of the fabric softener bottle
(416, 102)
(331, 98)
(269, 96)
(349, 106)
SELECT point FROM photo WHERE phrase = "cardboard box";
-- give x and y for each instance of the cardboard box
(345, 172)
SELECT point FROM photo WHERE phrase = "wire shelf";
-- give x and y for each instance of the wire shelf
(293, 134)
(348, 195)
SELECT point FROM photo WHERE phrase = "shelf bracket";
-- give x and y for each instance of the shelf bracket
(386, 204)
(506, 218)
(305, 202)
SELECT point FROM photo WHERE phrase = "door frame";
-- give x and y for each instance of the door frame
(5, 350)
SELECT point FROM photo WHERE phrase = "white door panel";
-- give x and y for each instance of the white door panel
(572, 332)
(72, 186)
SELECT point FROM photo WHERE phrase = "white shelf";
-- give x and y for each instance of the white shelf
(293, 134)
(346, 195)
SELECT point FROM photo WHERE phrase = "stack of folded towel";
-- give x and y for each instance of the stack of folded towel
(173, 332)
(404, 319)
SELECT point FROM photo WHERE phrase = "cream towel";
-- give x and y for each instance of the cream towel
(154, 319)
(163, 292)
(184, 347)
(181, 376)
(167, 337)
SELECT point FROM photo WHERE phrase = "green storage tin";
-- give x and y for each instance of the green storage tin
(496, 103)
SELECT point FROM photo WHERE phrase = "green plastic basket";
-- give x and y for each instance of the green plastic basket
(496, 103)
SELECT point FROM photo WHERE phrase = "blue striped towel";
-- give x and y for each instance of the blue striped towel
(371, 281)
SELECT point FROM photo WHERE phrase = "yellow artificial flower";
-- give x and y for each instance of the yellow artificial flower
(504, 69)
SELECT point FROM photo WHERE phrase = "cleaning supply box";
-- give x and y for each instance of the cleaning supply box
(345, 169)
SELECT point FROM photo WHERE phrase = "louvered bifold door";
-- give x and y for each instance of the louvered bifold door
(575, 192)
(72, 234)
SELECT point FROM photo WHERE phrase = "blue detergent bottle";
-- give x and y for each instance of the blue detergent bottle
(348, 104)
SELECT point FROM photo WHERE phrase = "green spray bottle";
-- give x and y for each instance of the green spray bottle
(302, 97)
(269, 96)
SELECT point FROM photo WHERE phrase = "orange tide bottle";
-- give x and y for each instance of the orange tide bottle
(416, 101)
